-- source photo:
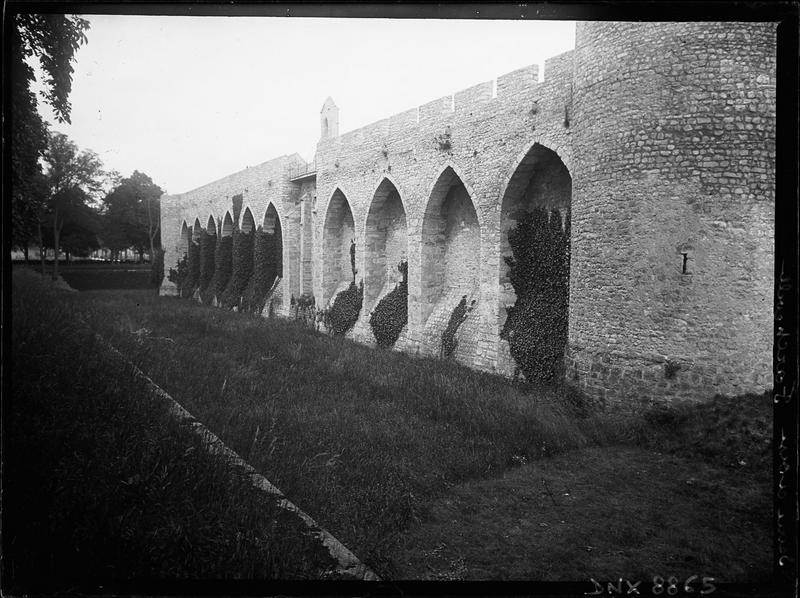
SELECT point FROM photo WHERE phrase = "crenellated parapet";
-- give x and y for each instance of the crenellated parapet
(650, 147)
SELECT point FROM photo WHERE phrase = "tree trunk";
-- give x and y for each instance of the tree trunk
(56, 242)
(25, 251)
(41, 245)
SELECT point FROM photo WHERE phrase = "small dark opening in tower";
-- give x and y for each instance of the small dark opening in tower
(684, 269)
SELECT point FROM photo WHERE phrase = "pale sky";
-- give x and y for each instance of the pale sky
(188, 100)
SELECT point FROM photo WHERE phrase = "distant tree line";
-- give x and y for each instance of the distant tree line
(62, 198)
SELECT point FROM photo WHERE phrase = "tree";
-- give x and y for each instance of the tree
(81, 223)
(53, 40)
(74, 178)
(133, 214)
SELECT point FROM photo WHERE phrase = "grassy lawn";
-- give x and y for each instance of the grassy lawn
(100, 483)
(428, 470)
(596, 513)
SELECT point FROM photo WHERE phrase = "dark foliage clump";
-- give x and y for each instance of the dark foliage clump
(343, 314)
(223, 264)
(179, 273)
(391, 313)
(536, 328)
(208, 244)
(267, 259)
(193, 274)
(459, 315)
(242, 269)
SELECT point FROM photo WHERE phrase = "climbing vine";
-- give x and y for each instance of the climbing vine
(391, 313)
(266, 267)
(179, 273)
(242, 269)
(457, 317)
(223, 255)
(342, 315)
(536, 327)
(207, 247)
(193, 270)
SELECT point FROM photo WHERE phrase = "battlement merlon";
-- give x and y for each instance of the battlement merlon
(559, 69)
(524, 81)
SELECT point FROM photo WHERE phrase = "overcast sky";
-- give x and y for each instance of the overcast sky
(188, 100)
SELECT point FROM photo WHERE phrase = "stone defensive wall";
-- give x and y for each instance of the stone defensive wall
(268, 197)
(655, 143)
(427, 186)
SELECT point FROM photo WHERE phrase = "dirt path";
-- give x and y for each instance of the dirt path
(597, 513)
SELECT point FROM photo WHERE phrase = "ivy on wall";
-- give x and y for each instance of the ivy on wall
(223, 255)
(179, 273)
(267, 258)
(536, 328)
(343, 313)
(193, 272)
(242, 269)
(208, 245)
(457, 317)
(391, 313)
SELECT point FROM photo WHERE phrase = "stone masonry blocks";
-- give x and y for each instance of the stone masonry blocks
(657, 138)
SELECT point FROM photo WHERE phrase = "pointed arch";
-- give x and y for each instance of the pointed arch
(271, 224)
(272, 219)
(186, 237)
(456, 170)
(338, 233)
(541, 182)
(385, 242)
(211, 225)
(248, 222)
(380, 186)
(227, 225)
(451, 244)
(540, 179)
(197, 230)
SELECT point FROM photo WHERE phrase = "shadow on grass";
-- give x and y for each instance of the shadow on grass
(101, 483)
(366, 441)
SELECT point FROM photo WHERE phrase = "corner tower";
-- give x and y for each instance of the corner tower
(671, 284)
(329, 119)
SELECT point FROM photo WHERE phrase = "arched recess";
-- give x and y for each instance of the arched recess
(227, 225)
(337, 234)
(248, 222)
(451, 245)
(186, 237)
(211, 226)
(272, 225)
(385, 243)
(542, 181)
(197, 230)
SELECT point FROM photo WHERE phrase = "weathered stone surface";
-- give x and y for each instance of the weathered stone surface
(657, 138)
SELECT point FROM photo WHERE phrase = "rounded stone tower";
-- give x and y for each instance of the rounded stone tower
(672, 267)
